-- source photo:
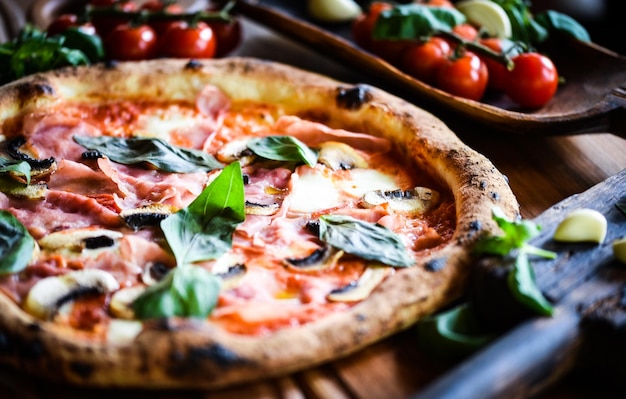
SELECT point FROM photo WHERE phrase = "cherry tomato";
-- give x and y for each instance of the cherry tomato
(188, 41)
(533, 80)
(105, 24)
(424, 59)
(127, 42)
(497, 71)
(437, 3)
(466, 31)
(157, 6)
(363, 25)
(227, 36)
(62, 23)
(464, 76)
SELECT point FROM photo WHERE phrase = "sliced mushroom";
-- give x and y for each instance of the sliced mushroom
(46, 297)
(40, 168)
(153, 272)
(20, 190)
(416, 201)
(322, 258)
(233, 276)
(254, 208)
(360, 289)
(340, 156)
(236, 150)
(80, 239)
(149, 215)
(122, 301)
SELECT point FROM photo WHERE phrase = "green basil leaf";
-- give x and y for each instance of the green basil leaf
(454, 333)
(521, 283)
(204, 230)
(156, 152)
(187, 291)
(367, 240)
(621, 205)
(16, 244)
(90, 45)
(283, 148)
(559, 22)
(413, 21)
(516, 233)
(11, 165)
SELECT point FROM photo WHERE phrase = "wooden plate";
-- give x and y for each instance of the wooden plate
(592, 100)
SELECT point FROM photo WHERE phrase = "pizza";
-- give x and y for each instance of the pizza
(198, 224)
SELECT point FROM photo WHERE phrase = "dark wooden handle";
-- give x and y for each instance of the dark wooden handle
(521, 363)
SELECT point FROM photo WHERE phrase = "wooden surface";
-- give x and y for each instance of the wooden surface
(542, 171)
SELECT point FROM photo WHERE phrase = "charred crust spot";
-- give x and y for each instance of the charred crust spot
(482, 185)
(354, 97)
(218, 354)
(111, 64)
(32, 350)
(26, 91)
(34, 327)
(435, 265)
(495, 196)
(246, 179)
(193, 65)
(82, 369)
(360, 317)
(475, 225)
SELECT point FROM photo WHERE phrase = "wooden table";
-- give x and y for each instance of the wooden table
(541, 170)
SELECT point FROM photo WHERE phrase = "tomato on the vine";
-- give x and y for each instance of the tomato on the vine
(423, 60)
(105, 24)
(533, 80)
(227, 36)
(65, 21)
(188, 41)
(158, 6)
(363, 25)
(497, 71)
(464, 76)
(466, 31)
(128, 42)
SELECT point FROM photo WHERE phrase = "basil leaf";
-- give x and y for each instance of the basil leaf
(621, 205)
(558, 22)
(413, 21)
(11, 165)
(16, 244)
(187, 291)
(516, 233)
(454, 333)
(367, 240)
(521, 283)
(283, 148)
(204, 230)
(89, 45)
(156, 152)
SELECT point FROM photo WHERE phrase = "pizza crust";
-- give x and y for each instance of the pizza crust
(193, 354)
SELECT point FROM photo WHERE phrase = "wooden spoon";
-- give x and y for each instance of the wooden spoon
(593, 98)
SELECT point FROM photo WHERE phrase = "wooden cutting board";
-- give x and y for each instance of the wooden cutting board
(588, 331)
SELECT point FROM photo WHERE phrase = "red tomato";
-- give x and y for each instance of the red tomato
(497, 71)
(157, 6)
(465, 76)
(466, 31)
(186, 41)
(62, 23)
(423, 60)
(363, 25)
(105, 24)
(436, 3)
(127, 42)
(533, 80)
(227, 36)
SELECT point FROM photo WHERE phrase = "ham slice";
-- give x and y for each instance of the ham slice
(313, 133)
